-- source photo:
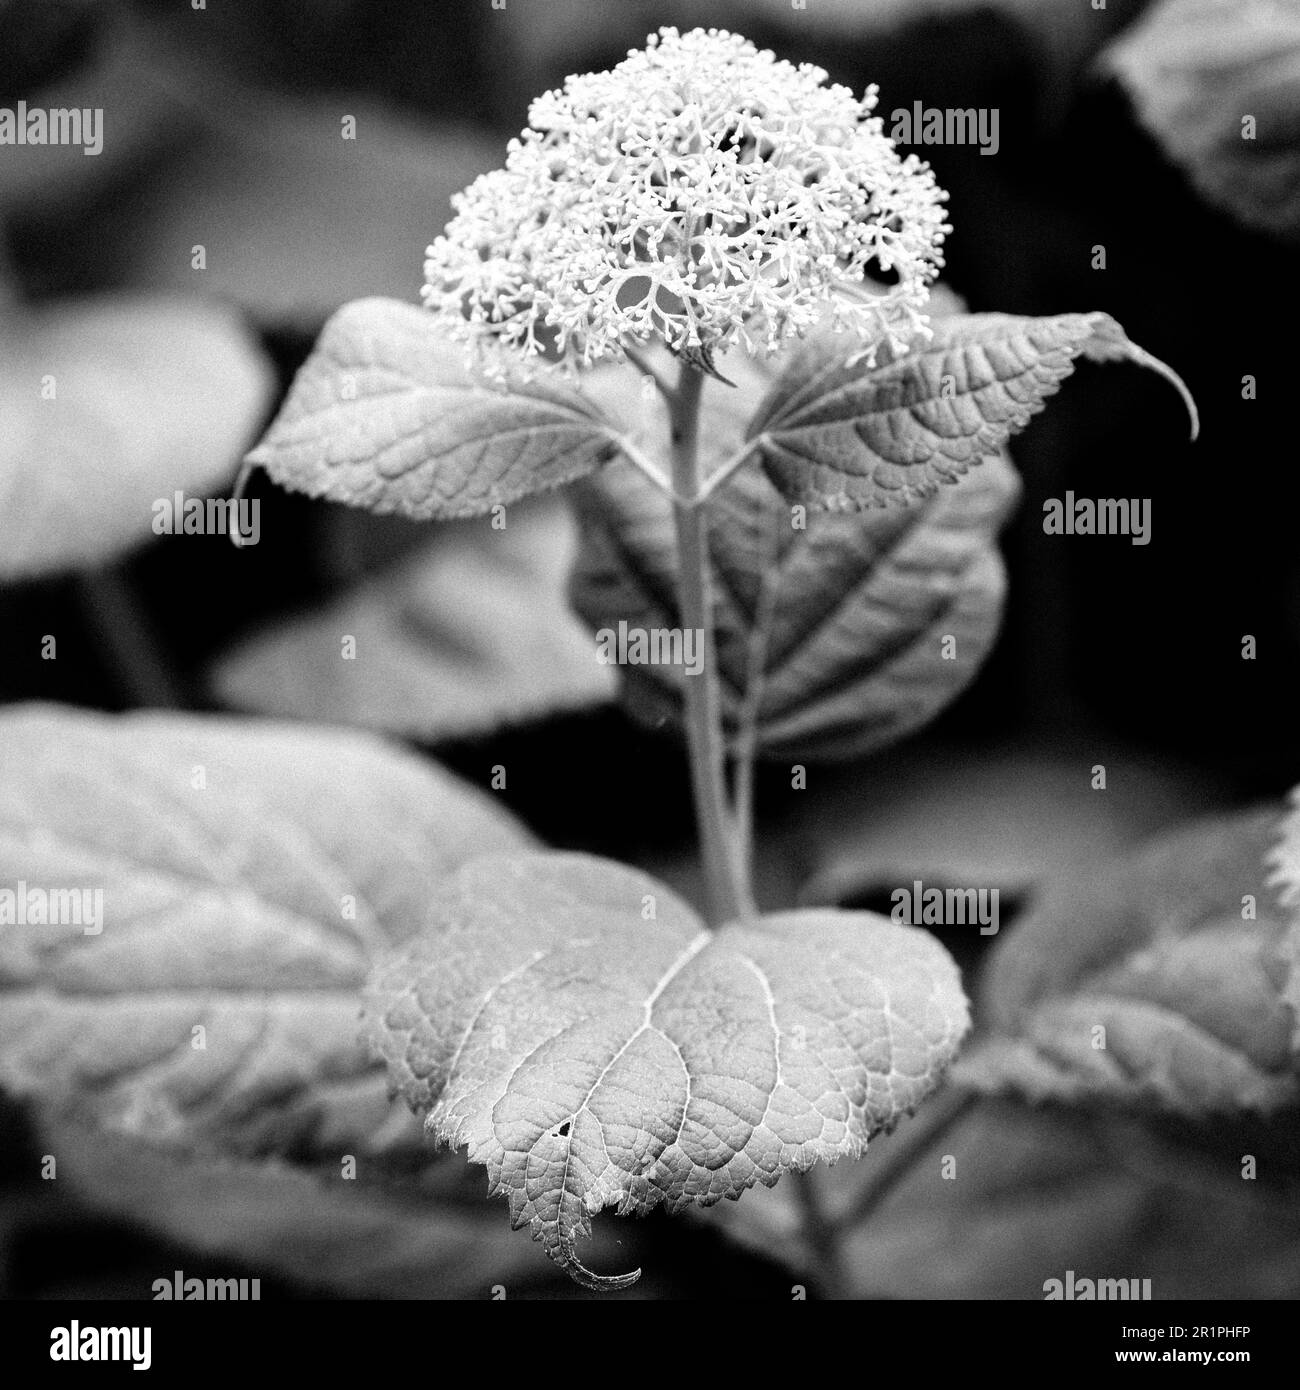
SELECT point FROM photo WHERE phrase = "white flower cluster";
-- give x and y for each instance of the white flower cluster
(703, 193)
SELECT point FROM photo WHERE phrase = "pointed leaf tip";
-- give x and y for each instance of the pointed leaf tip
(1109, 343)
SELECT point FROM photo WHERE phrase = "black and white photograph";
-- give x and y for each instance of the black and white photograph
(649, 652)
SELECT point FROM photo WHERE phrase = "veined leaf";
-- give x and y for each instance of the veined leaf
(247, 875)
(830, 634)
(1163, 983)
(1198, 71)
(841, 434)
(384, 415)
(575, 1027)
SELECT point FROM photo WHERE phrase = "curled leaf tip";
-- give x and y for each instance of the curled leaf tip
(597, 1283)
(237, 495)
(1109, 343)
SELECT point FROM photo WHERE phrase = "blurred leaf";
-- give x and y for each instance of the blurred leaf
(1006, 817)
(1010, 1197)
(384, 415)
(832, 633)
(841, 434)
(296, 219)
(358, 1237)
(472, 634)
(249, 874)
(1285, 856)
(1157, 983)
(1284, 860)
(588, 1061)
(109, 405)
(120, 74)
(1197, 70)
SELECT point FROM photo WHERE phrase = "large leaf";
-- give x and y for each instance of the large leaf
(109, 405)
(831, 633)
(471, 634)
(249, 873)
(1159, 983)
(385, 415)
(575, 1026)
(1197, 71)
(835, 432)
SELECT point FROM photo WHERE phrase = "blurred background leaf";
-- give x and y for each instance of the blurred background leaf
(470, 634)
(1218, 84)
(110, 404)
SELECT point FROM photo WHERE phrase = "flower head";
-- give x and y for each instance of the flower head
(702, 193)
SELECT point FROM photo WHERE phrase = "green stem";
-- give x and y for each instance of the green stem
(726, 883)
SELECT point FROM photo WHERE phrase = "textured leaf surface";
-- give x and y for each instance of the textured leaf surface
(831, 633)
(838, 434)
(224, 908)
(384, 415)
(471, 634)
(1191, 996)
(150, 396)
(1195, 69)
(589, 1057)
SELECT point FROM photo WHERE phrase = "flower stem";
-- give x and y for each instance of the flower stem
(726, 883)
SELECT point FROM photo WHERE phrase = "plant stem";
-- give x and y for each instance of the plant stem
(905, 1150)
(726, 883)
(822, 1236)
(747, 736)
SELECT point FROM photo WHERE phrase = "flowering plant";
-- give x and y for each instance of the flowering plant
(702, 193)
(823, 522)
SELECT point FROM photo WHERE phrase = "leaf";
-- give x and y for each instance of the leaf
(359, 1237)
(249, 875)
(1013, 1196)
(1011, 818)
(296, 219)
(839, 434)
(590, 1055)
(1284, 860)
(384, 415)
(1188, 991)
(471, 634)
(843, 621)
(150, 397)
(1196, 69)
